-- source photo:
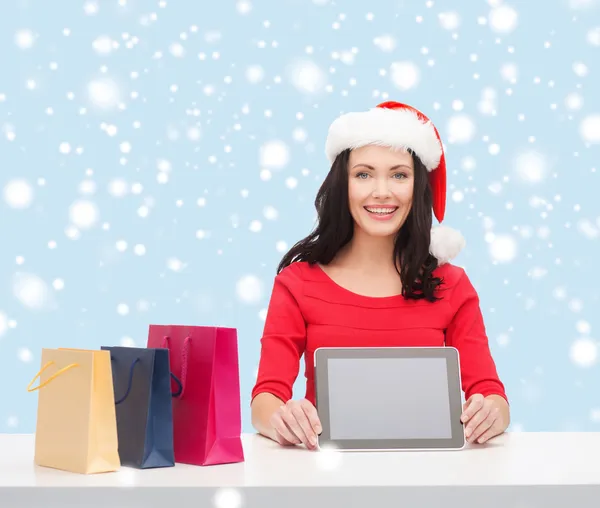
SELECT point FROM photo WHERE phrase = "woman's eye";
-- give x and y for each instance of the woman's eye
(361, 175)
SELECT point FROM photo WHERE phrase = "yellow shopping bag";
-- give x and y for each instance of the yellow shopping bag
(76, 426)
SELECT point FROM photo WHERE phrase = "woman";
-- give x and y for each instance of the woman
(375, 273)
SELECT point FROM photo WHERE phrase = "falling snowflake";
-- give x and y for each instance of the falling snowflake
(83, 214)
(31, 290)
(3, 324)
(503, 19)
(584, 352)
(503, 248)
(249, 289)
(274, 155)
(460, 128)
(307, 76)
(104, 93)
(18, 194)
(405, 75)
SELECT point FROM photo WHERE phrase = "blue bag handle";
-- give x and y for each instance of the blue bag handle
(131, 381)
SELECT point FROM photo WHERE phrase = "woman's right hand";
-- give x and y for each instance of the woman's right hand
(296, 422)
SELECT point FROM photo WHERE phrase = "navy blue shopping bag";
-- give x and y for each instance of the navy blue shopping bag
(142, 389)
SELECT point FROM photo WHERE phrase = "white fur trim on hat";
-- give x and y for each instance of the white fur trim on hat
(446, 243)
(397, 128)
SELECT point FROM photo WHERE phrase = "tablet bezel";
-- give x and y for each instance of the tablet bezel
(450, 354)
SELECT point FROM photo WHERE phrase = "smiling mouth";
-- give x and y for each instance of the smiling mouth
(381, 211)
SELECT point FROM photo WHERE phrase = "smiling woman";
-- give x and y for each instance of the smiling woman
(386, 194)
(375, 207)
(375, 273)
(383, 191)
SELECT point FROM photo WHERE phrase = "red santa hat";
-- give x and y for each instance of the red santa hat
(401, 126)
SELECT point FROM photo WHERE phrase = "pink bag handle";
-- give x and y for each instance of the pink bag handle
(184, 360)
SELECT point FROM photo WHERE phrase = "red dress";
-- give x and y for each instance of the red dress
(309, 310)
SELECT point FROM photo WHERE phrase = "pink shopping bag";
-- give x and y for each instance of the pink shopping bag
(207, 419)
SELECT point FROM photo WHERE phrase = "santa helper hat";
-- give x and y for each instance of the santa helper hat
(401, 126)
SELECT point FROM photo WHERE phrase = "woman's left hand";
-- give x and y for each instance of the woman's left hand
(484, 417)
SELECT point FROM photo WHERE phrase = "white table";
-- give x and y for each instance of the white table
(523, 470)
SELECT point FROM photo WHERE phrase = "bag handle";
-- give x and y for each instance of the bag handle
(133, 364)
(52, 377)
(184, 362)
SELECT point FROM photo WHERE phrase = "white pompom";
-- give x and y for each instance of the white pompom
(446, 243)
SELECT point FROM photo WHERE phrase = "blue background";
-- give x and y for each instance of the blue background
(169, 202)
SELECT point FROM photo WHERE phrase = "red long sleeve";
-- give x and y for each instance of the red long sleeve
(284, 337)
(466, 332)
(309, 310)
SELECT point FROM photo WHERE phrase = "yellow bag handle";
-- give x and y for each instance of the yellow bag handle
(57, 373)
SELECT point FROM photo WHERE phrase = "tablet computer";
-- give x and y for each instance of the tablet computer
(397, 398)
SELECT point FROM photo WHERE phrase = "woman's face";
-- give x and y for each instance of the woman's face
(380, 188)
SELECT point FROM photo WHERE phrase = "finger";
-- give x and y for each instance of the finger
(305, 425)
(311, 413)
(282, 440)
(474, 404)
(482, 427)
(476, 420)
(284, 433)
(291, 421)
(493, 431)
(475, 398)
(283, 430)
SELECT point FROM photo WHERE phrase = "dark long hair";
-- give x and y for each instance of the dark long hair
(335, 227)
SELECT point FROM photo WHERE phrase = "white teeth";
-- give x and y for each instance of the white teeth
(380, 210)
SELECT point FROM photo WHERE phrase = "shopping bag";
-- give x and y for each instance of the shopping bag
(142, 391)
(207, 412)
(76, 428)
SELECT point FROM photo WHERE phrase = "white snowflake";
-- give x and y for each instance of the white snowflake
(593, 36)
(270, 213)
(503, 248)
(460, 128)
(122, 309)
(583, 327)
(3, 323)
(243, 6)
(531, 166)
(104, 93)
(249, 289)
(449, 20)
(405, 75)
(590, 128)
(25, 355)
(503, 19)
(274, 155)
(104, 45)
(307, 76)
(584, 352)
(24, 39)
(509, 72)
(255, 74)
(18, 193)
(31, 290)
(83, 214)
(118, 187)
(91, 8)
(574, 101)
(386, 42)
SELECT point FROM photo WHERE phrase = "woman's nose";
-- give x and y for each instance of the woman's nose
(381, 188)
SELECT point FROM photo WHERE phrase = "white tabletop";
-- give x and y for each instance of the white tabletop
(516, 459)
